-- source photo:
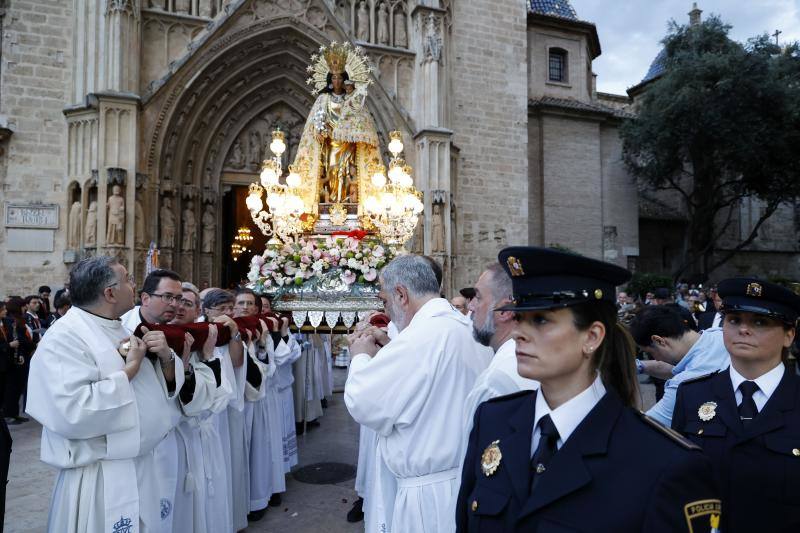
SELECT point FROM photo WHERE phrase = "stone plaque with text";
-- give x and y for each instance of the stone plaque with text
(39, 216)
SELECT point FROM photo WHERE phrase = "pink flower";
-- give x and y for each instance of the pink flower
(265, 270)
(343, 263)
(378, 251)
(257, 260)
(352, 244)
(305, 259)
(371, 274)
(267, 282)
(349, 277)
(316, 254)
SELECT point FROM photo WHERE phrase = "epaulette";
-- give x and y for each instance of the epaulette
(669, 433)
(509, 396)
(700, 378)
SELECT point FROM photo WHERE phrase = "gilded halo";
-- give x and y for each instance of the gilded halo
(490, 459)
(707, 411)
(356, 65)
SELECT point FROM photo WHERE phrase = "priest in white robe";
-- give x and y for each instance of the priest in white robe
(284, 359)
(198, 446)
(307, 394)
(103, 415)
(218, 307)
(411, 392)
(493, 329)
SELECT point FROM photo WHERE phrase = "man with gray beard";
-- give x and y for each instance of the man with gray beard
(493, 329)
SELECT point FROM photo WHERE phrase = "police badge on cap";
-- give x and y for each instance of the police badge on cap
(752, 295)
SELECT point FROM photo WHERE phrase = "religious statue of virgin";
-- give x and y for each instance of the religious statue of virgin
(339, 144)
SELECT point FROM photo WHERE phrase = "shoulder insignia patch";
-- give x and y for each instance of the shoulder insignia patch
(700, 378)
(703, 515)
(512, 396)
(669, 433)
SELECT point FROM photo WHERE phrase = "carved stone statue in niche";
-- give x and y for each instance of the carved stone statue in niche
(207, 178)
(189, 177)
(418, 246)
(237, 155)
(115, 223)
(437, 230)
(91, 225)
(189, 229)
(183, 6)
(74, 229)
(362, 16)
(383, 24)
(156, 4)
(167, 224)
(400, 33)
(139, 230)
(255, 148)
(209, 229)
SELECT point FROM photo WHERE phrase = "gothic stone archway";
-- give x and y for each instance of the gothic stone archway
(205, 129)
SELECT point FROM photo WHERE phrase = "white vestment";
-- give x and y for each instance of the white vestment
(239, 450)
(191, 500)
(263, 442)
(499, 379)
(164, 458)
(98, 428)
(284, 379)
(307, 400)
(412, 394)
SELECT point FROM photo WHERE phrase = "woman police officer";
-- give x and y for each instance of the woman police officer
(575, 455)
(747, 418)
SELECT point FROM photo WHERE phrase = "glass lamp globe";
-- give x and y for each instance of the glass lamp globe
(395, 173)
(293, 179)
(372, 205)
(379, 180)
(396, 142)
(273, 201)
(254, 202)
(278, 146)
(269, 176)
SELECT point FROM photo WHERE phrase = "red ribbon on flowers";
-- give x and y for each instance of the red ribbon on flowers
(357, 234)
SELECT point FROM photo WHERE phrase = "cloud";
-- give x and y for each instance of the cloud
(631, 30)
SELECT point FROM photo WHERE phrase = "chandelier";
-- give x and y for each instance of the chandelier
(282, 222)
(241, 242)
(396, 204)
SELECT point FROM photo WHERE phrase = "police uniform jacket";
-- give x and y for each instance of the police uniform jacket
(757, 467)
(618, 471)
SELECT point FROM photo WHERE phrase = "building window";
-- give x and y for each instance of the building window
(557, 65)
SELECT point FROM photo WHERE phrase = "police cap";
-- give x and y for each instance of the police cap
(545, 278)
(753, 295)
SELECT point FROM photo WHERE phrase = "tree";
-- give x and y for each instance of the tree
(721, 124)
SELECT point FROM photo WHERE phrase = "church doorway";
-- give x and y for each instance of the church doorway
(238, 228)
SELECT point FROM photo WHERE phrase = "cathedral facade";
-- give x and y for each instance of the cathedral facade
(130, 122)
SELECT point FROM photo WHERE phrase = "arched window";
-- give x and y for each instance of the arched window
(557, 65)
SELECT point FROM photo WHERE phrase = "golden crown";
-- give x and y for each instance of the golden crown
(336, 57)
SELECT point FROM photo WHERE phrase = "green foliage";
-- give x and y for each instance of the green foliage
(721, 124)
(644, 282)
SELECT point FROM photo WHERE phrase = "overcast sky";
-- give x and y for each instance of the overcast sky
(630, 30)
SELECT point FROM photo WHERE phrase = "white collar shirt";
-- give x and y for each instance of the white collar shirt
(568, 416)
(767, 383)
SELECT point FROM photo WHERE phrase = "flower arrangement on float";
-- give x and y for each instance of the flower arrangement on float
(346, 261)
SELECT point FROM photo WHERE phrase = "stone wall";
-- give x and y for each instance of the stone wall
(489, 99)
(35, 82)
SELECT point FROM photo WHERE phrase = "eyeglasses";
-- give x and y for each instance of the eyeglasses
(186, 303)
(222, 309)
(168, 298)
(128, 278)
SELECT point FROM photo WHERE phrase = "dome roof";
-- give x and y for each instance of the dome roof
(553, 8)
(657, 67)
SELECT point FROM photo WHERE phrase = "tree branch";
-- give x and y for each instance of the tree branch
(768, 212)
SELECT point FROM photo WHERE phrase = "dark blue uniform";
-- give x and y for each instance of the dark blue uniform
(618, 472)
(757, 468)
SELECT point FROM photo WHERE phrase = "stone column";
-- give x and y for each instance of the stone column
(122, 46)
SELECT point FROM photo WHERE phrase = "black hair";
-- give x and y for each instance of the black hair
(61, 301)
(662, 320)
(152, 280)
(44, 288)
(615, 356)
(437, 269)
(256, 298)
(215, 297)
(329, 82)
(32, 297)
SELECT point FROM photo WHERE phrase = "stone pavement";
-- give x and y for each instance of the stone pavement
(306, 508)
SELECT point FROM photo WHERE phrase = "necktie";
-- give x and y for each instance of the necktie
(545, 450)
(747, 409)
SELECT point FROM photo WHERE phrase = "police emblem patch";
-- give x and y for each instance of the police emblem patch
(703, 515)
(707, 411)
(754, 289)
(515, 266)
(490, 459)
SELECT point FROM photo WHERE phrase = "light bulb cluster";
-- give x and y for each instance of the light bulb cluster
(285, 206)
(396, 204)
